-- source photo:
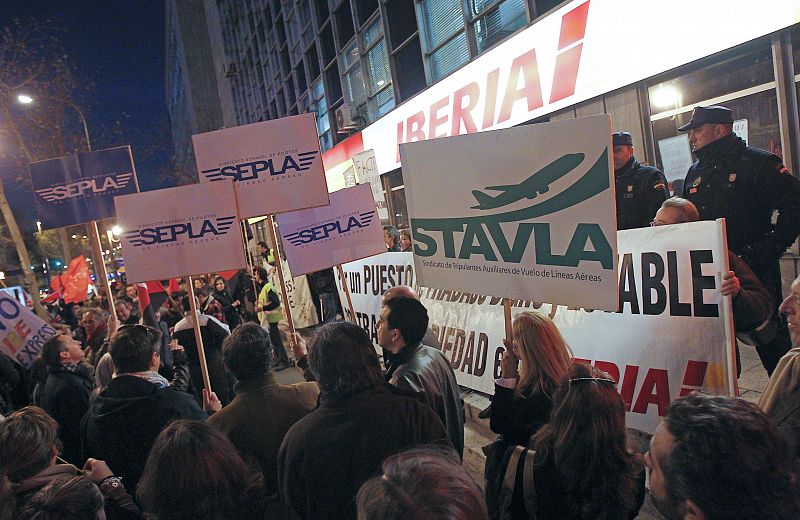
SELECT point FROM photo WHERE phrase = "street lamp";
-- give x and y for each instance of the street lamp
(28, 100)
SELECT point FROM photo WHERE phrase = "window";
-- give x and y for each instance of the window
(352, 78)
(497, 20)
(378, 78)
(323, 122)
(445, 36)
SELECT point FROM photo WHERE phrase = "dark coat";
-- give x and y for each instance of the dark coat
(640, 192)
(424, 370)
(328, 454)
(122, 423)
(66, 398)
(517, 418)
(259, 416)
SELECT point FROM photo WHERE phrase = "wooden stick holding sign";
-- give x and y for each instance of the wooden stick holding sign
(279, 266)
(100, 270)
(198, 337)
(508, 320)
(347, 292)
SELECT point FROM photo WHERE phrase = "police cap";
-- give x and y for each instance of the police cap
(622, 139)
(705, 115)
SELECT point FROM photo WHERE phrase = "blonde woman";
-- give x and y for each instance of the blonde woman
(533, 364)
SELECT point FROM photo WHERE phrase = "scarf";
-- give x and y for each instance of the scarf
(149, 376)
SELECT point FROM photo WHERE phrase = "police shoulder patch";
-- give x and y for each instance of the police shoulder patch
(659, 186)
(697, 182)
(781, 168)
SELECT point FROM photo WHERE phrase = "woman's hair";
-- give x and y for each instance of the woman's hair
(543, 353)
(193, 471)
(425, 483)
(27, 438)
(586, 438)
(64, 498)
(219, 279)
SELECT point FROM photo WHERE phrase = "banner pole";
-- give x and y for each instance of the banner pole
(100, 270)
(347, 293)
(727, 313)
(507, 316)
(279, 266)
(201, 353)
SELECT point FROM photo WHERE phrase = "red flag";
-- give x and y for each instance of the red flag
(74, 283)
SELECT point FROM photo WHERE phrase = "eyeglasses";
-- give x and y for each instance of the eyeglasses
(153, 335)
(654, 223)
(597, 379)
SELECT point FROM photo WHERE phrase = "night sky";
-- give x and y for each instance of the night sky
(118, 45)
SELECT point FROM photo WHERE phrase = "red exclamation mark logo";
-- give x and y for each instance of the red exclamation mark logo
(565, 75)
(694, 376)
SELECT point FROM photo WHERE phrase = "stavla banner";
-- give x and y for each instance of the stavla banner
(349, 229)
(180, 231)
(81, 187)
(276, 164)
(531, 216)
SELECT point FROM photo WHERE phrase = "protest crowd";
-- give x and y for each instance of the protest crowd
(114, 418)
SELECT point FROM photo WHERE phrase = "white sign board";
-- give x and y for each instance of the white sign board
(347, 230)
(676, 156)
(180, 231)
(22, 333)
(740, 129)
(367, 171)
(670, 337)
(531, 217)
(275, 164)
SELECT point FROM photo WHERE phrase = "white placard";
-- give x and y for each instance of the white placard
(740, 129)
(367, 171)
(275, 164)
(676, 156)
(347, 230)
(22, 333)
(671, 336)
(531, 216)
(180, 231)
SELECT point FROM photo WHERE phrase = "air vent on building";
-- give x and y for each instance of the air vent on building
(348, 118)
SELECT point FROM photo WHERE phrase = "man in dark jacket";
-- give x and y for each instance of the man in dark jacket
(745, 186)
(66, 393)
(137, 404)
(640, 189)
(418, 368)
(328, 454)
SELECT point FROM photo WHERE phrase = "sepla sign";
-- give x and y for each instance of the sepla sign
(570, 55)
(276, 165)
(80, 188)
(532, 216)
(331, 229)
(167, 233)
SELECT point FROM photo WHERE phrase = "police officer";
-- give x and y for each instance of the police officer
(745, 186)
(640, 189)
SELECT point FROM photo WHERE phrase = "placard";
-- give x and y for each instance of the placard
(347, 230)
(276, 165)
(81, 187)
(22, 333)
(180, 231)
(531, 217)
(676, 156)
(367, 171)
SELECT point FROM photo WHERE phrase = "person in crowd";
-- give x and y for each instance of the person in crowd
(65, 498)
(263, 410)
(430, 338)
(326, 297)
(745, 185)
(230, 306)
(581, 467)
(66, 392)
(405, 240)
(418, 368)
(392, 238)
(208, 305)
(327, 455)
(29, 447)
(421, 483)
(270, 314)
(753, 306)
(131, 294)
(125, 312)
(267, 254)
(781, 398)
(94, 326)
(201, 283)
(640, 189)
(193, 471)
(137, 404)
(213, 333)
(715, 457)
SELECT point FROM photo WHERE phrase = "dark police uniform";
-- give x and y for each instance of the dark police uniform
(745, 185)
(640, 192)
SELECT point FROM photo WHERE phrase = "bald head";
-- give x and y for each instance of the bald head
(400, 290)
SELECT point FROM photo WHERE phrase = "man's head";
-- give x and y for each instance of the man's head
(403, 321)
(91, 320)
(123, 308)
(718, 457)
(261, 274)
(60, 350)
(247, 352)
(791, 309)
(343, 360)
(708, 124)
(202, 294)
(391, 236)
(400, 290)
(623, 148)
(676, 210)
(134, 348)
(131, 292)
(28, 443)
(263, 247)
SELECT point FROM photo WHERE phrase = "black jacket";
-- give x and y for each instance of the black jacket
(125, 419)
(640, 192)
(66, 398)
